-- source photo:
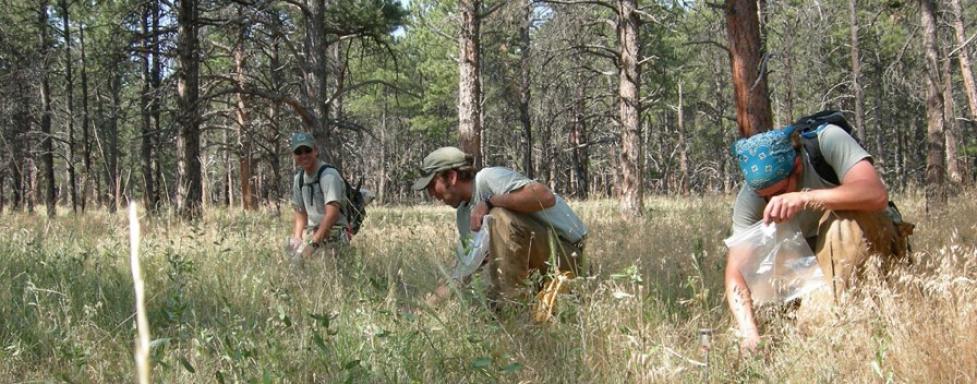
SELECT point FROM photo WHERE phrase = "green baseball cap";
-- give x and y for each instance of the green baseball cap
(441, 159)
(302, 139)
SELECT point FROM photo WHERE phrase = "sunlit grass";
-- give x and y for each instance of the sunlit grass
(225, 305)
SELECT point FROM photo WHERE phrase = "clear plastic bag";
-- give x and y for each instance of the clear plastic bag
(296, 250)
(469, 260)
(781, 265)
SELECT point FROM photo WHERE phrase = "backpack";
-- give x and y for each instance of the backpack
(808, 128)
(355, 210)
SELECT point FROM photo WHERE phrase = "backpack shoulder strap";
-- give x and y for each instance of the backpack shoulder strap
(813, 148)
(808, 127)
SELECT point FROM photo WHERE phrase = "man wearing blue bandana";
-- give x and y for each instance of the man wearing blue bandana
(844, 223)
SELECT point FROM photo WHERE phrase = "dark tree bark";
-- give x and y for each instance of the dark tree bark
(749, 72)
(950, 122)
(966, 71)
(524, 87)
(935, 154)
(682, 147)
(69, 96)
(856, 72)
(150, 197)
(47, 146)
(188, 92)
(155, 78)
(85, 123)
(579, 139)
(629, 107)
(244, 145)
(469, 84)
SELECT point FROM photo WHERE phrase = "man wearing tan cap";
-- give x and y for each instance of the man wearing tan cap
(319, 199)
(531, 229)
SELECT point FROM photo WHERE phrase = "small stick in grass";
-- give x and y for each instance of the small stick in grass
(142, 325)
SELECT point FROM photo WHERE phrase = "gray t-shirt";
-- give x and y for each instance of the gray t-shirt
(331, 188)
(499, 180)
(840, 151)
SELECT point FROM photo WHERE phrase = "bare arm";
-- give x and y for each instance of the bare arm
(533, 197)
(300, 219)
(861, 190)
(739, 299)
(328, 220)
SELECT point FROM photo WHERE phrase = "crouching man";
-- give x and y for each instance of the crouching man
(845, 222)
(532, 229)
(319, 199)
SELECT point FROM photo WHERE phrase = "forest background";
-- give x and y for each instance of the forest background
(189, 104)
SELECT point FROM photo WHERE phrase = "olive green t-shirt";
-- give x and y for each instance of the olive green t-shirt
(498, 180)
(330, 188)
(840, 151)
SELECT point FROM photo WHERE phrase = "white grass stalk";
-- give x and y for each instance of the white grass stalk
(142, 325)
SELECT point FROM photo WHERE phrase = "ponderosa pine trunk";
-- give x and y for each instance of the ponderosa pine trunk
(469, 84)
(629, 108)
(935, 154)
(753, 113)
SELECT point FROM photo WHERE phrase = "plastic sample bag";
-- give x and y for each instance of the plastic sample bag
(471, 258)
(781, 265)
(296, 250)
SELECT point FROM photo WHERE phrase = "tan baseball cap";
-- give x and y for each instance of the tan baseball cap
(441, 159)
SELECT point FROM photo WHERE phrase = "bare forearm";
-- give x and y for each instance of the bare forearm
(531, 198)
(854, 196)
(299, 224)
(740, 303)
(328, 220)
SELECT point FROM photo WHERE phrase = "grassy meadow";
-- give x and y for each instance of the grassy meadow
(225, 306)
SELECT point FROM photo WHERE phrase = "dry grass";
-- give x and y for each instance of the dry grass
(225, 306)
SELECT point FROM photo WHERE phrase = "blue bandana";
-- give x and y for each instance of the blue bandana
(766, 158)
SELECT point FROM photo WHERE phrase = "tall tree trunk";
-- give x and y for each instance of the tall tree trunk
(966, 71)
(965, 65)
(22, 143)
(244, 145)
(749, 71)
(85, 123)
(150, 198)
(524, 87)
(935, 155)
(950, 122)
(856, 72)
(469, 84)
(111, 147)
(629, 107)
(188, 88)
(683, 156)
(880, 135)
(580, 141)
(155, 77)
(69, 95)
(47, 145)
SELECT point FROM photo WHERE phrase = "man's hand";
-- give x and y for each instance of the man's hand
(480, 210)
(783, 207)
(748, 343)
(440, 294)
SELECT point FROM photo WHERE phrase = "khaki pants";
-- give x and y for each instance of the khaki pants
(519, 246)
(847, 239)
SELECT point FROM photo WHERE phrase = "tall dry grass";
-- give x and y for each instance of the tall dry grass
(225, 306)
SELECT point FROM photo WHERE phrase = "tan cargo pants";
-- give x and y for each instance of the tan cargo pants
(520, 246)
(847, 239)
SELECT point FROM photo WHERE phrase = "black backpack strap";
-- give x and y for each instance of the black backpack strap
(813, 148)
(808, 126)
